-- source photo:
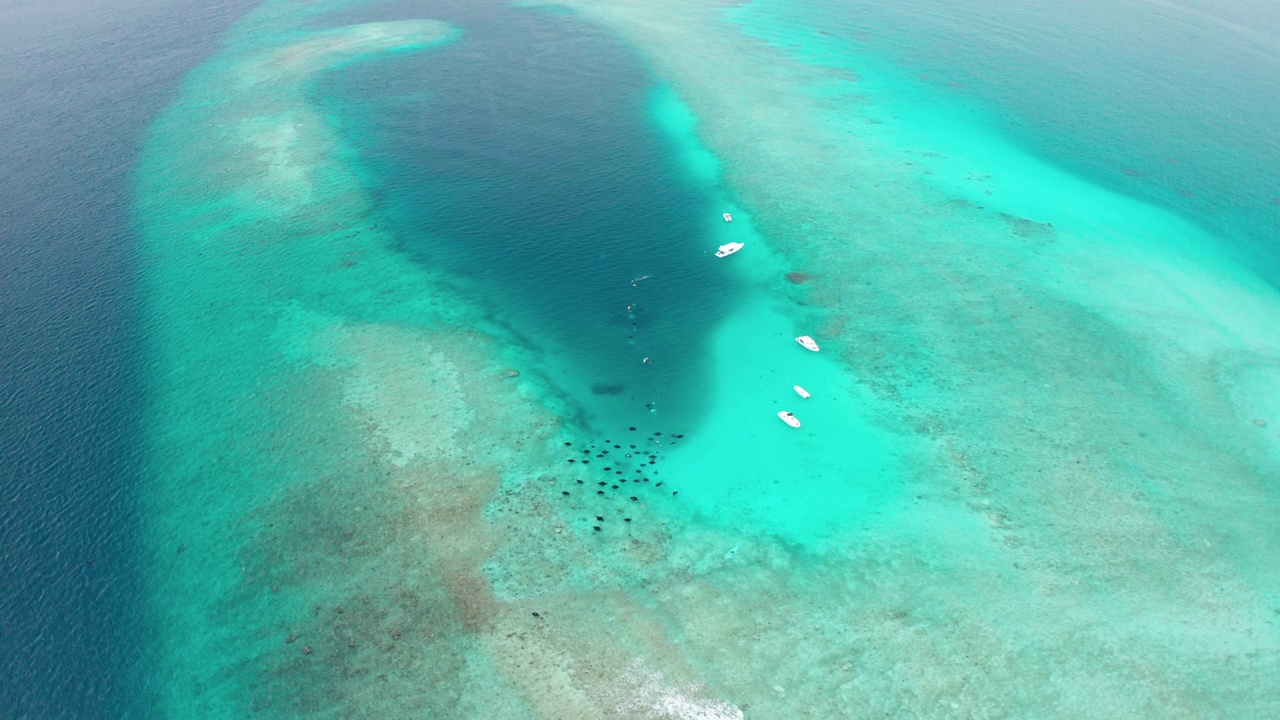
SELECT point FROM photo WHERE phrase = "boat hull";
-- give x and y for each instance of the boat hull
(808, 343)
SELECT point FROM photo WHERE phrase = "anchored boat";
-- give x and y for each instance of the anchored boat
(789, 419)
(728, 217)
(728, 249)
(801, 392)
(808, 343)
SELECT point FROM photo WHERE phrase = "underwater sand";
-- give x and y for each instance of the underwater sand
(1037, 477)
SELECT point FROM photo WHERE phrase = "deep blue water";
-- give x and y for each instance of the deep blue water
(80, 83)
(523, 159)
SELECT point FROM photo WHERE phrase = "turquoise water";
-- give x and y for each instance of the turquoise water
(1200, 147)
(453, 414)
(1109, 100)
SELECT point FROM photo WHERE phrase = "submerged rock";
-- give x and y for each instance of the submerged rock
(607, 389)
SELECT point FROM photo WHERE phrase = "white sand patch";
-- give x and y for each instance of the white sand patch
(649, 695)
(280, 67)
(408, 390)
(287, 174)
(400, 380)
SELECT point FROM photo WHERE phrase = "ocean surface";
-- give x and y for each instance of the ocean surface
(81, 83)
(370, 359)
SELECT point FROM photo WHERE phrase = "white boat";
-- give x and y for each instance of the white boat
(789, 419)
(728, 217)
(808, 343)
(728, 249)
(801, 392)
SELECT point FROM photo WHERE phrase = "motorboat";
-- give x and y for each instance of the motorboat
(801, 392)
(728, 249)
(728, 217)
(789, 419)
(808, 343)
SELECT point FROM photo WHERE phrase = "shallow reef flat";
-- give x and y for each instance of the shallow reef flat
(1076, 359)
(1034, 496)
(273, 298)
